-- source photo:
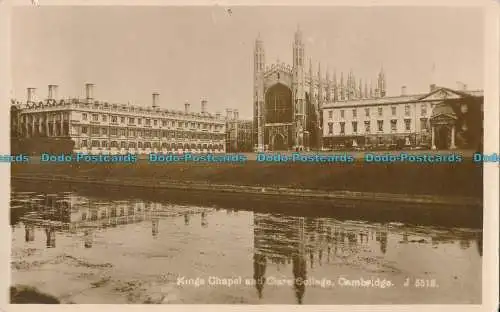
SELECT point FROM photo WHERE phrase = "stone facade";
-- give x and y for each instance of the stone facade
(239, 133)
(441, 119)
(288, 99)
(98, 127)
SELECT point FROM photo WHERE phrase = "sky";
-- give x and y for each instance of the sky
(186, 53)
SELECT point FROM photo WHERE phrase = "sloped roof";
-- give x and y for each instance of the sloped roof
(477, 93)
(459, 93)
(402, 98)
(372, 101)
(442, 109)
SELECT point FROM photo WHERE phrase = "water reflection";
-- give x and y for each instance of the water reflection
(290, 246)
(89, 238)
(204, 222)
(307, 243)
(259, 275)
(479, 242)
(30, 233)
(155, 223)
(284, 240)
(51, 237)
(68, 212)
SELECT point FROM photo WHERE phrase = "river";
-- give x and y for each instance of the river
(110, 246)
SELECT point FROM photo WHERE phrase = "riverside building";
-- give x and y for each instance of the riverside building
(286, 114)
(443, 118)
(99, 127)
(239, 133)
(289, 99)
(300, 109)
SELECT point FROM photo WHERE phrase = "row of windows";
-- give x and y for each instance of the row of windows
(44, 118)
(380, 126)
(96, 131)
(128, 108)
(45, 131)
(114, 212)
(123, 144)
(147, 122)
(407, 108)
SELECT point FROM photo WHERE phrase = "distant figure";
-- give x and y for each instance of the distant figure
(25, 294)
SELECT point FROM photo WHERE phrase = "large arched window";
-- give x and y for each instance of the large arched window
(279, 107)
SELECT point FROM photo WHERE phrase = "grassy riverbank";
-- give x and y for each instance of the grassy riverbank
(462, 179)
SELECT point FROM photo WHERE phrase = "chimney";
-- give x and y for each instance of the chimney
(203, 106)
(403, 90)
(229, 113)
(52, 92)
(432, 87)
(89, 92)
(217, 115)
(464, 87)
(235, 114)
(186, 107)
(156, 99)
(30, 97)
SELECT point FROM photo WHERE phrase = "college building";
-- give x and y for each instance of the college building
(299, 109)
(239, 133)
(100, 127)
(443, 118)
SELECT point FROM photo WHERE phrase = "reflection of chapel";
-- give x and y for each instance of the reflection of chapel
(300, 244)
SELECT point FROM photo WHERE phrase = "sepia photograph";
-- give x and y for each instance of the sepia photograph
(312, 155)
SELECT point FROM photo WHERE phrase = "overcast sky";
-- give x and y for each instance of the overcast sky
(186, 53)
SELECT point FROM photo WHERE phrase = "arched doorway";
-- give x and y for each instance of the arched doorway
(279, 143)
(443, 137)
